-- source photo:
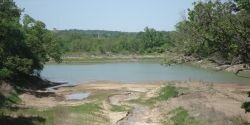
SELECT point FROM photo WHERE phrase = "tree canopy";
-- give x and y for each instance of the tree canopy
(25, 45)
(101, 42)
(216, 27)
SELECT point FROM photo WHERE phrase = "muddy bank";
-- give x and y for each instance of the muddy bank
(69, 59)
(213, 63)
(131, 104)
(225, 67)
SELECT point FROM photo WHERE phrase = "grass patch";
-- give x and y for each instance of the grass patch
(86, 114)
(179, 116)
(165, 93)
(120, 108)
(86, 108)
(89, 113)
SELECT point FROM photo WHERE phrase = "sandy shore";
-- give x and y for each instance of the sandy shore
(210, 102)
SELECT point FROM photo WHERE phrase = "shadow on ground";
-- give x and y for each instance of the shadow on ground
(21, 120)
(39, 94)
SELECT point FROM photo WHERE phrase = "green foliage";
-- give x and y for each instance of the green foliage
(107, 42)
(5, 73)
(167, 92)
(246, 105)
(26, 46)
(17, 64)
(181, 117)
(41, 42)
(243, 4)
(13, 98)
(152, 40)
(9, 99)
(216, 27)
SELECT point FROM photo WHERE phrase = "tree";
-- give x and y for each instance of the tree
(215, 27)
(152, 40)
(11, 40)
(24, 48)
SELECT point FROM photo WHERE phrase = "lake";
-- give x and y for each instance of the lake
(134, 72)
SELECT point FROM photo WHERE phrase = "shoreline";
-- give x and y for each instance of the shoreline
(194, 96)
(153, 82)
(110, 59)
(165, 59)
(137, 86)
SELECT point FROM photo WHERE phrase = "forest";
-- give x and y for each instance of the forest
(103, 42)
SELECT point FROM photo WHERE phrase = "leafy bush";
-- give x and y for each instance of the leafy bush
(246, 105)
(5, 73)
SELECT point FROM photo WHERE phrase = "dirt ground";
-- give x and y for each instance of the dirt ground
(217, 104)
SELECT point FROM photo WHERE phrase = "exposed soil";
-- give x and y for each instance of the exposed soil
(211, 103)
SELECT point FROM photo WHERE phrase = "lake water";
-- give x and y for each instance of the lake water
(135, 72)
(77, 96)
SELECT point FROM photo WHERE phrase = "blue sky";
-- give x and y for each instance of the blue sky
(116, 15)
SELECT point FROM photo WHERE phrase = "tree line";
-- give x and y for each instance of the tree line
(102, 42)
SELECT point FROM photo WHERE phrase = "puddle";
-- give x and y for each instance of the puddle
(77, 96)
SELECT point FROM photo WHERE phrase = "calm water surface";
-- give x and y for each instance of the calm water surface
(77, 96)
(135, 72)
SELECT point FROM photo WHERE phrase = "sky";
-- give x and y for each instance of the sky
(114, 15)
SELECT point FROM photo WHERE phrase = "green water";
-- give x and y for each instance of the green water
(135, 72)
